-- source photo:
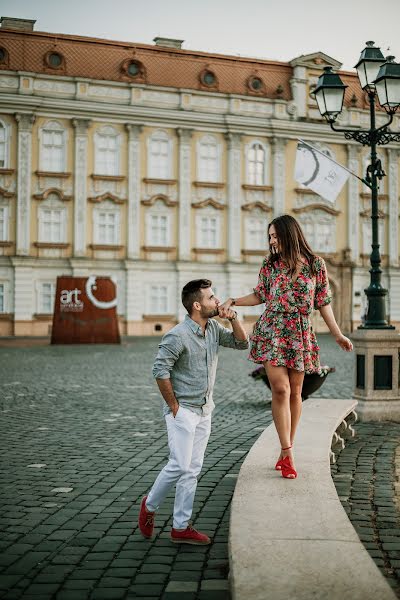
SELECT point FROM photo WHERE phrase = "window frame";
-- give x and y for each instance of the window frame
(154, 171)
(53, 127)
(152, 240)
(206, 139)
(5, 230)
(107, 131)
(4, 296)
(7, 143)
(264, 243)
(40, 295)
(52, 203)
(106, 210)
(155, 310)
(266, 169)
(201, 243)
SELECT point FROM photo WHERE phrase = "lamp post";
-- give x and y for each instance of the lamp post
(379, 77)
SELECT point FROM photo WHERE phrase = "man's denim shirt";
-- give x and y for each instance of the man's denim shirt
(189, 359)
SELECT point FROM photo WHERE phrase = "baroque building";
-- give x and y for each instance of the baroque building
(154, 165)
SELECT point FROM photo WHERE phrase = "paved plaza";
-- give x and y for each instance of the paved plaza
(82, 439)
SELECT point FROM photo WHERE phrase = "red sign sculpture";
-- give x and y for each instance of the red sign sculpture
(85, 311)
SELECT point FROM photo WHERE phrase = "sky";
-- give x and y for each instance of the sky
(275, 30)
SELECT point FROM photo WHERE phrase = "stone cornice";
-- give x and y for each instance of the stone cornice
(161, 197)
(107, 196)
(5, 193)
(252, 205)
(209, 202)
(310, 207)
(49, 191)
(159, 181)
(257, 188)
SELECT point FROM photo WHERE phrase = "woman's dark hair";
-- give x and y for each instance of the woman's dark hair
(292, 243)
(191, 292)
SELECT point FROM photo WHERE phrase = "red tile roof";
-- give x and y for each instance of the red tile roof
(102, 60)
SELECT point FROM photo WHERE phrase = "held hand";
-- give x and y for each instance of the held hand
(175, 410)
(223, 308)
(344, 343)
(231, 314)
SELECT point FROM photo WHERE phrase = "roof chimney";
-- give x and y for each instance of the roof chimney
(168, 42)
(14, 23)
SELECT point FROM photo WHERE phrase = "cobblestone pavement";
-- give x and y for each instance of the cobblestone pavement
(365, 479)
(82, 439)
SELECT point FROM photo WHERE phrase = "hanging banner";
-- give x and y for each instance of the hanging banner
(85, 311)
(317, 171)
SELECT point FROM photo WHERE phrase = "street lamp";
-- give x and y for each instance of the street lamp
(379, 77)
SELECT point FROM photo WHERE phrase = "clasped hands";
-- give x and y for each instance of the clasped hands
(225, 311)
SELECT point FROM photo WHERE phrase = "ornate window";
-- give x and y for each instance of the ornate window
(106, 151)
(52, 217)
(4, 144)
(319, 229)
(158, 300)
(208, 78)
(255, 233)
(208, 166)
(255, 84)
(52, 138)
(3, 56)
(106, 225)
(133, 69)
(47, 292)
(208, 231)
(158, 230)
(3, 223)
(160, 156)
(54, 60)
(256, 164)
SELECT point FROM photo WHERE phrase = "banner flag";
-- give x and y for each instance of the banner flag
(319, 172)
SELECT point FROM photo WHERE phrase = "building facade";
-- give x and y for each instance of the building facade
(155, 165)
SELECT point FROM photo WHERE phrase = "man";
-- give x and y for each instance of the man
(185, 368)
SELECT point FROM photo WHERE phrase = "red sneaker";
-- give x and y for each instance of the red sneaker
(189, 536)
(146, 520)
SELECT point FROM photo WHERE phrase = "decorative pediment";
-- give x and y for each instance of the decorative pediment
(253, 205)
(309, 207)
(56, 191)
(107, 196)
(316, 60)
(208, 202)
(5, 193)
(159, 197)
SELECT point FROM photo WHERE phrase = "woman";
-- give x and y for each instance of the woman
(292, 282)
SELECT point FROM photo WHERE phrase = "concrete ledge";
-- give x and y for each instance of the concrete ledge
(291, 539)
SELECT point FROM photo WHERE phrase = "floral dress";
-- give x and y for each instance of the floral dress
(283, 334)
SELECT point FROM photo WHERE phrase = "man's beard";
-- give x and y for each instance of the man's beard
(209, 314)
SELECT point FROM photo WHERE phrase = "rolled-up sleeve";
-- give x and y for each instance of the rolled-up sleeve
(323, 294)
(228, 340)
(169, 351)
(261, 289)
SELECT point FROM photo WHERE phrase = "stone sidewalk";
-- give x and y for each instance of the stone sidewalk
(366, 480)
(82, 439)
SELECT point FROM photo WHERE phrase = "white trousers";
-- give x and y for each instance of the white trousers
(188, 435)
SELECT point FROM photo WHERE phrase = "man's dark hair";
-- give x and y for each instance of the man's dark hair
(191, 292)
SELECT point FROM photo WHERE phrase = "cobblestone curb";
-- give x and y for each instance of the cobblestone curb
(365, 478)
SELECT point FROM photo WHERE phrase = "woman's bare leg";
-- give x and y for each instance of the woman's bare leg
(296, 383)
(280, 388)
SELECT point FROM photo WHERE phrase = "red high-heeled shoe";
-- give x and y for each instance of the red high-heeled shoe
(278, 466)
(288, 472)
